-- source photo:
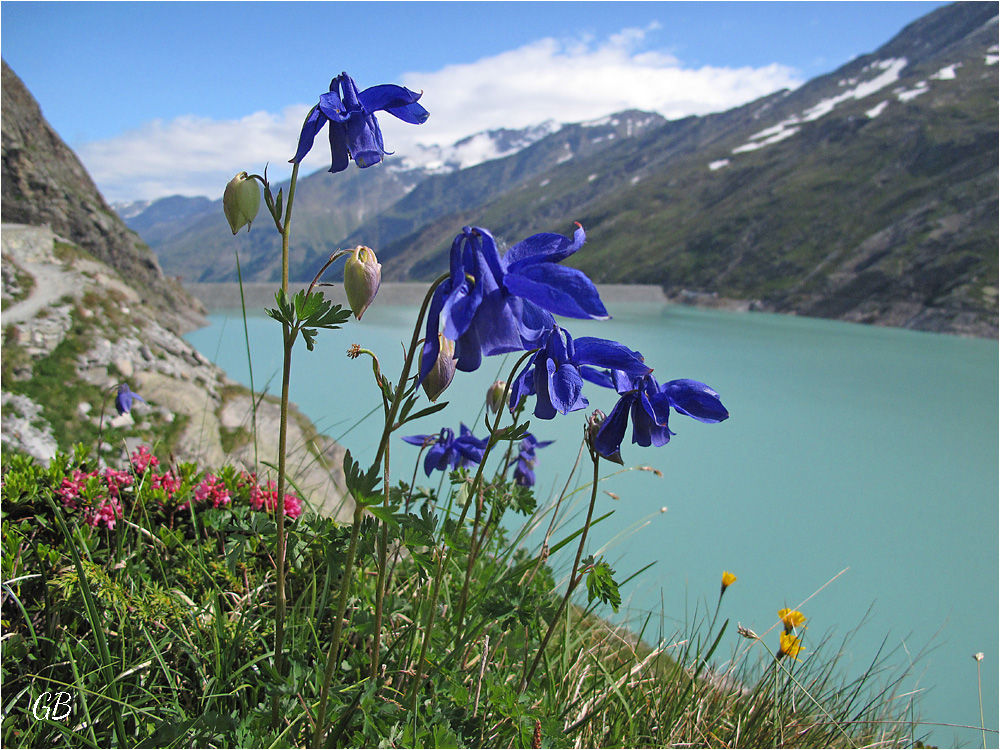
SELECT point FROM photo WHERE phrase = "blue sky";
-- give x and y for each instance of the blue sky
(174, 97)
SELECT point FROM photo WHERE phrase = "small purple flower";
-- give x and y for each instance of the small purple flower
(555, 374)
(649, 405)
(123, 401)
(493, 305)
(524, 471)
(354, 131)
(447, 450)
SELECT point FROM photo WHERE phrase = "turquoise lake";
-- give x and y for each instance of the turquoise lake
(849, 448)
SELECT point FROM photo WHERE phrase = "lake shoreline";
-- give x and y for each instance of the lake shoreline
(258, 295)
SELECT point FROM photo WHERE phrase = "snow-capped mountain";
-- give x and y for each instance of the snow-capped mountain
(472, 150)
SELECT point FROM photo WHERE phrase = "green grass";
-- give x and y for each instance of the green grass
(185, 602)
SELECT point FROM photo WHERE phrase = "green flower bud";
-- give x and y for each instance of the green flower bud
(241, 202)
(441, 374)
(362, 277)
(494, 396)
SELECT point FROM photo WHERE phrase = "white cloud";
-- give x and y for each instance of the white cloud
(194, 155)
(563, 80)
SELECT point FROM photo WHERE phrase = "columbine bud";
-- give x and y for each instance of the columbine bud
(241, 202)
(443, 371)
(362, 277)
(494, 396)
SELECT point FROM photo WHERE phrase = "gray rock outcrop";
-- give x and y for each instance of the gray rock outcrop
(44, 184)
(86, 307)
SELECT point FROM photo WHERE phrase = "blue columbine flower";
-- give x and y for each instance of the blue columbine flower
(123, 401)
(354, 131)
(447, 450)
(649, 404)
(524, 471)
(493, 305)
(555, 374)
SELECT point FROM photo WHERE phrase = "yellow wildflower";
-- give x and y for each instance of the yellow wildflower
(728, 579)
(791, 619)
(790, 646)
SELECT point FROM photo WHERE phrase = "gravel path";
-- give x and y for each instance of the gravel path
(31, 248)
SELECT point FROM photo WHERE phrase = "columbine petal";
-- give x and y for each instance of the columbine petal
(432, 346)
(645, 430)
(611, 355)
(558, 289)
(612, 430)
(396, 100)
(331, 105)
(339, 151)
(545, 247)
(695, 400)
(313, 124)
(566, 388)
(363, 141)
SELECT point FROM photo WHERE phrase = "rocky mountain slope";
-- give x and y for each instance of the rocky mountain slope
(85, 312)
(44, 183)
(869, 194)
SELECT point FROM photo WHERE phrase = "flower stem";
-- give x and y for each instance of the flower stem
(288, 337)
(474, 547)
(383, 564)
(338, 623)
(574, 580)
(474, 493)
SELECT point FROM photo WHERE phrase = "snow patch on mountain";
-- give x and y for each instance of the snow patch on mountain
(127, 209)
(475, 149)
(905, 95)
(878, 109)
(774, 134)
(886, 72)
(947, 73)
(890, 68)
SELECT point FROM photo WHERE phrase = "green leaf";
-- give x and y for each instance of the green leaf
(304, 306)
(514, 432)
(384, 514)
(433, 409)
(361, 484)
(602, 585)
(309, 335)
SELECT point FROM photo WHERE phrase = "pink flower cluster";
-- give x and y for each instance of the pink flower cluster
(211, 491)
(267, 497)
(101, 505)
(105, 508)
(142, 459)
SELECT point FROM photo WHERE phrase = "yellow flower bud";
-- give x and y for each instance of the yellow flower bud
(440, 376)
(241, 201)
(362, 277)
